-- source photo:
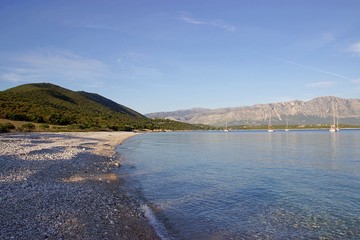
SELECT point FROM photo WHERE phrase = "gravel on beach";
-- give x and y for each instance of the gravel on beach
(62, 186)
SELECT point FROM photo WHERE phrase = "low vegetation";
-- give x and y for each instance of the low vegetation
(6, 127)
(50, 107)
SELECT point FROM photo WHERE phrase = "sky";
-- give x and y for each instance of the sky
(165, 55)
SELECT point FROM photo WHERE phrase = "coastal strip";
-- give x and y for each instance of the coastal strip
(63, 186)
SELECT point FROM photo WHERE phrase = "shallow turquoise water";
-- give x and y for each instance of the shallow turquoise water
(248, 184)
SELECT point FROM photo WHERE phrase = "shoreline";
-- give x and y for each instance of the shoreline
(63, 185)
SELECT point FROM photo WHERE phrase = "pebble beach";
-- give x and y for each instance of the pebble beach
(63, 186)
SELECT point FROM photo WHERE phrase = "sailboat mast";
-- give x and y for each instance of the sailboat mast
(333, 109)
(269, 124)
(333, 127)
(287, 125)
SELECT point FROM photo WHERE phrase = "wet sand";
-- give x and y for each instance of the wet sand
(63, 186)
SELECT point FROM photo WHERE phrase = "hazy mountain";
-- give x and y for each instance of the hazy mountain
(316, 111)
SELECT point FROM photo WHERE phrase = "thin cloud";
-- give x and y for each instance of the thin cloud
(324, 84)
(100, 27)
(64, 63)
(328, 37)
(299, 64)
(355, 48)
(131, 58)
(212, 23)
(61, 60)
(312, 68)
(138, 66)
(11, 77)
(54, 65)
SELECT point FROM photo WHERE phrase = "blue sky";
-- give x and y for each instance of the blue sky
(164, 55)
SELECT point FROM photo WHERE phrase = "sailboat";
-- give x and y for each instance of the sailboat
(287, 125)
(337, 122)
(226, 128)
(270, 130)
(333, 127)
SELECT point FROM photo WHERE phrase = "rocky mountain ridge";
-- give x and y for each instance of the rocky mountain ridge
(319, 110)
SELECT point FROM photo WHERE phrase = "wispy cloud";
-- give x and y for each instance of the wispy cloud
(212, 23)
(323, 84)
(299, 64)
(355, 48)
(131, 58)
(328, 37)
(11, 77)
(311, 68)
(100, 27)
(138, 66)
(61, 60)
(54, 65)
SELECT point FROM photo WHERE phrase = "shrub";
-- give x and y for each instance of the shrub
(6, 127)
(27, 127)
(44, 126)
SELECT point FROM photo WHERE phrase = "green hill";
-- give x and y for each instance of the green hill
(51, 104)
(110, 104)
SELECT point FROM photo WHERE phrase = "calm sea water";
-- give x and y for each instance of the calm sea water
(247, 184)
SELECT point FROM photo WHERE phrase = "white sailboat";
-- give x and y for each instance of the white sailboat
(270, 130)
(333, 127)
(226, 128)
(287, 125)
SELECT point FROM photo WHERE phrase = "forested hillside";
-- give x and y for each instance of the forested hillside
(51, 104)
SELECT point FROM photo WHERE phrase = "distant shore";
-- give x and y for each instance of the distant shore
(62, 186)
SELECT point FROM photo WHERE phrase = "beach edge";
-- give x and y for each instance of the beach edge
(64, 185)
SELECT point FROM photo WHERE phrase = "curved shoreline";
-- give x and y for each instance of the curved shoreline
(62, 185)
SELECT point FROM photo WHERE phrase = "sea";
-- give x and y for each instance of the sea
(246, 184)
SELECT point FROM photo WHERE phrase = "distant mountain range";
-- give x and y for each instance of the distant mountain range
(316, 111)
